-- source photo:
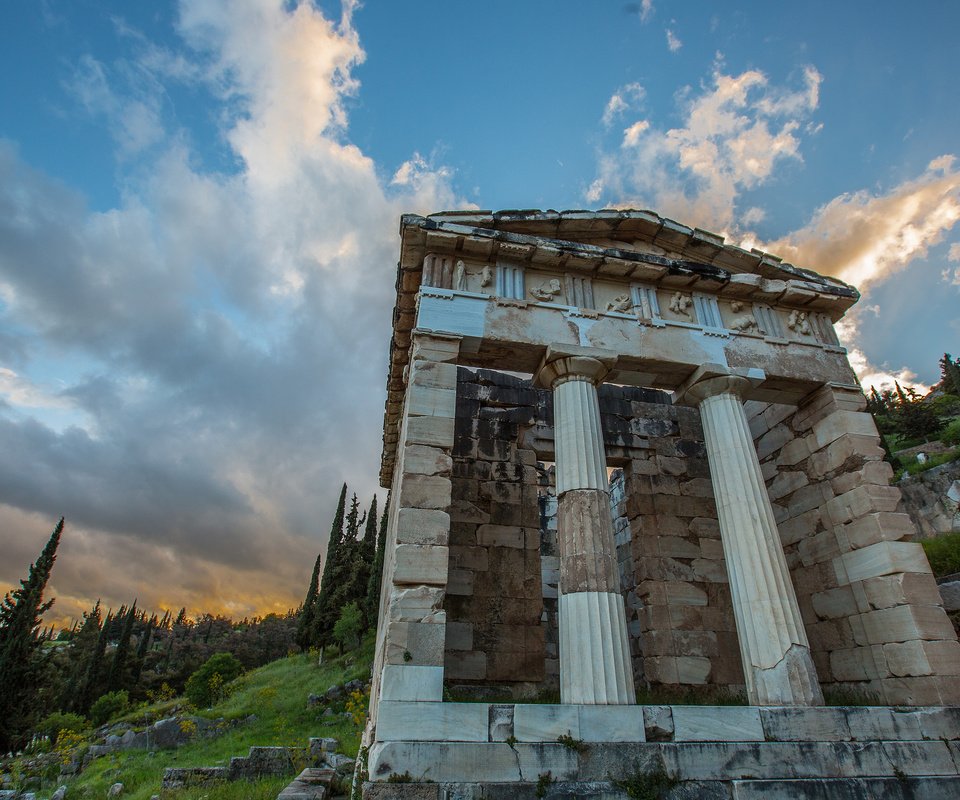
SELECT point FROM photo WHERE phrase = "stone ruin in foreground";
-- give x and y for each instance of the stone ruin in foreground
(624, 455)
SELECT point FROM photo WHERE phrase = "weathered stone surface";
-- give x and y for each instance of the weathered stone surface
(431, 722)
(717, 723)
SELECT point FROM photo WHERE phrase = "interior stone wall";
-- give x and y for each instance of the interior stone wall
(868, 599)
(501, 599)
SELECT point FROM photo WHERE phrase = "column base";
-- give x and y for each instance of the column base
(594, 651)
(792, 681)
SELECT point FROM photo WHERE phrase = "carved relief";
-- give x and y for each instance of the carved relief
(744, 322)
(486, 276)
(621, 303)
(460, 282)
(680, 304)
(797, 322)
(546, 293)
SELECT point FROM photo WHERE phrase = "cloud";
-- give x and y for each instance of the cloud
(625, 98)
(881, 377)
(673, 43)
(735, 131)
(228, 330)
(863, 237)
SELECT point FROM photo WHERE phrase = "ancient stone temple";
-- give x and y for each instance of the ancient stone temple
(627, 457)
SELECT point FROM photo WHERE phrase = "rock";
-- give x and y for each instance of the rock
(334, 692)
(327, 713)
(115, 791)
(950, 592)
(28, 796)
(59, 794)
(353, 686)
(313, 699)
(319, 746)
(250, 719)
(341, 763)
(8, 794)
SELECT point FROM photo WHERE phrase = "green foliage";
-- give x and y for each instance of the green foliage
(701, 696)
(572, 744)
(951, 434)
(838, 695)
(205, 686)
(109, 706)
(58, 722)
(651, 785)
(544, 780)
(22, 661)
(943, 552)
(308, 611)
(372, 602)
(349, 625)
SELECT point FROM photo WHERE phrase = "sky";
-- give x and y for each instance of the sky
(199, 207)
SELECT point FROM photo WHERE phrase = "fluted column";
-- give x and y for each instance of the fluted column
(777, 663)
(595, 662)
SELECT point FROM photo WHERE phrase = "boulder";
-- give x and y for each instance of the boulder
(115, 791)
(59, 794)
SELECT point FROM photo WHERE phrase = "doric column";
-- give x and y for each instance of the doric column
(594, 650)
(777, 663)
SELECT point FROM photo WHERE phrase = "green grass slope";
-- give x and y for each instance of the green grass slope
(267, 706)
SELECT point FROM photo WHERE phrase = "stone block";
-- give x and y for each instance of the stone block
(402, 682)
(611, 723)
(906, 587)
(470, 665)
(536, 759)
(872, 472)
(425, 491)
(726, 760)
(460, 582)
(831, 428)
(500, 536)
(794, 451)
(799, 527)
(717, 723)
(882, 558)
(428, 401)
(444, 761)
(420, 564)
(848, 449)
(459, 635)
(501, 723)
(865, 499)
(658, 723)
(879, 526)
(923, 658)
(939, 723)
(693, 669)
(911, 691)
(420, 459)
(786, 482)
(423, 526)
(431, 347)
(785, 724)
(432, 722)
(856, 664)
(545, 723)
(414, 603)
(415, 643)
(903, 623)
(918, 758)
(835, 603)
(879, 723)
(431, 431)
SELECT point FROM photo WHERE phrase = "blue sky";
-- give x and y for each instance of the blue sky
(198, 215)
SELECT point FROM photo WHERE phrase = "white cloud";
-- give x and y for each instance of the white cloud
(646, 10)
(673, 43)
(868, 373)
(734, 132)
(236, 324)
(626, 97)
(864, 237)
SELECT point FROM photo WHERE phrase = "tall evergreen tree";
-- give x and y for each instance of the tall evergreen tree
(93, 685)
(117, 669)
(372, 603)
(21, 661)
(308, 610)
(327, 609)
(83, 649)
(366, 552)
(950, 374)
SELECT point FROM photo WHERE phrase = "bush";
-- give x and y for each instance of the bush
(206, 685)
(951, 434)
(54, 723)
(943, 552)
(108, 706)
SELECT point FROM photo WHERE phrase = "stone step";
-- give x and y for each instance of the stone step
(311, 784)
(902, 788)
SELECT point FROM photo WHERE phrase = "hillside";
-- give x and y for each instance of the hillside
(264, 707)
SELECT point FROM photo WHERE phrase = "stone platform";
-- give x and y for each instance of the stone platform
(467, 751)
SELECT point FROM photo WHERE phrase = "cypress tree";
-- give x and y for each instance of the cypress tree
(21, 661)
(116, 679)
(92, 683)
(372, 603)
(83, 649)
(308, 610)
(326, 611)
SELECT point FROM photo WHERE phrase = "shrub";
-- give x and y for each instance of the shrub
(53, 724)
(951, 434)
(943, 552)
(206, 685)
(108, 706)
(349, 626)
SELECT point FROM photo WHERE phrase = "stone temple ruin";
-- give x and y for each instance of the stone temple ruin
(625, 456)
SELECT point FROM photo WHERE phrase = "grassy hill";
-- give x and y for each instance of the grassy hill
(266, 706)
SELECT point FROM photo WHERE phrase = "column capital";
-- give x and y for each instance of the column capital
(710, 380)
(562, 361)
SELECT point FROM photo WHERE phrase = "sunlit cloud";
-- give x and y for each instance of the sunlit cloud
(673, 42)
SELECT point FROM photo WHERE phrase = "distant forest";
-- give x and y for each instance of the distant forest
(131, 655)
